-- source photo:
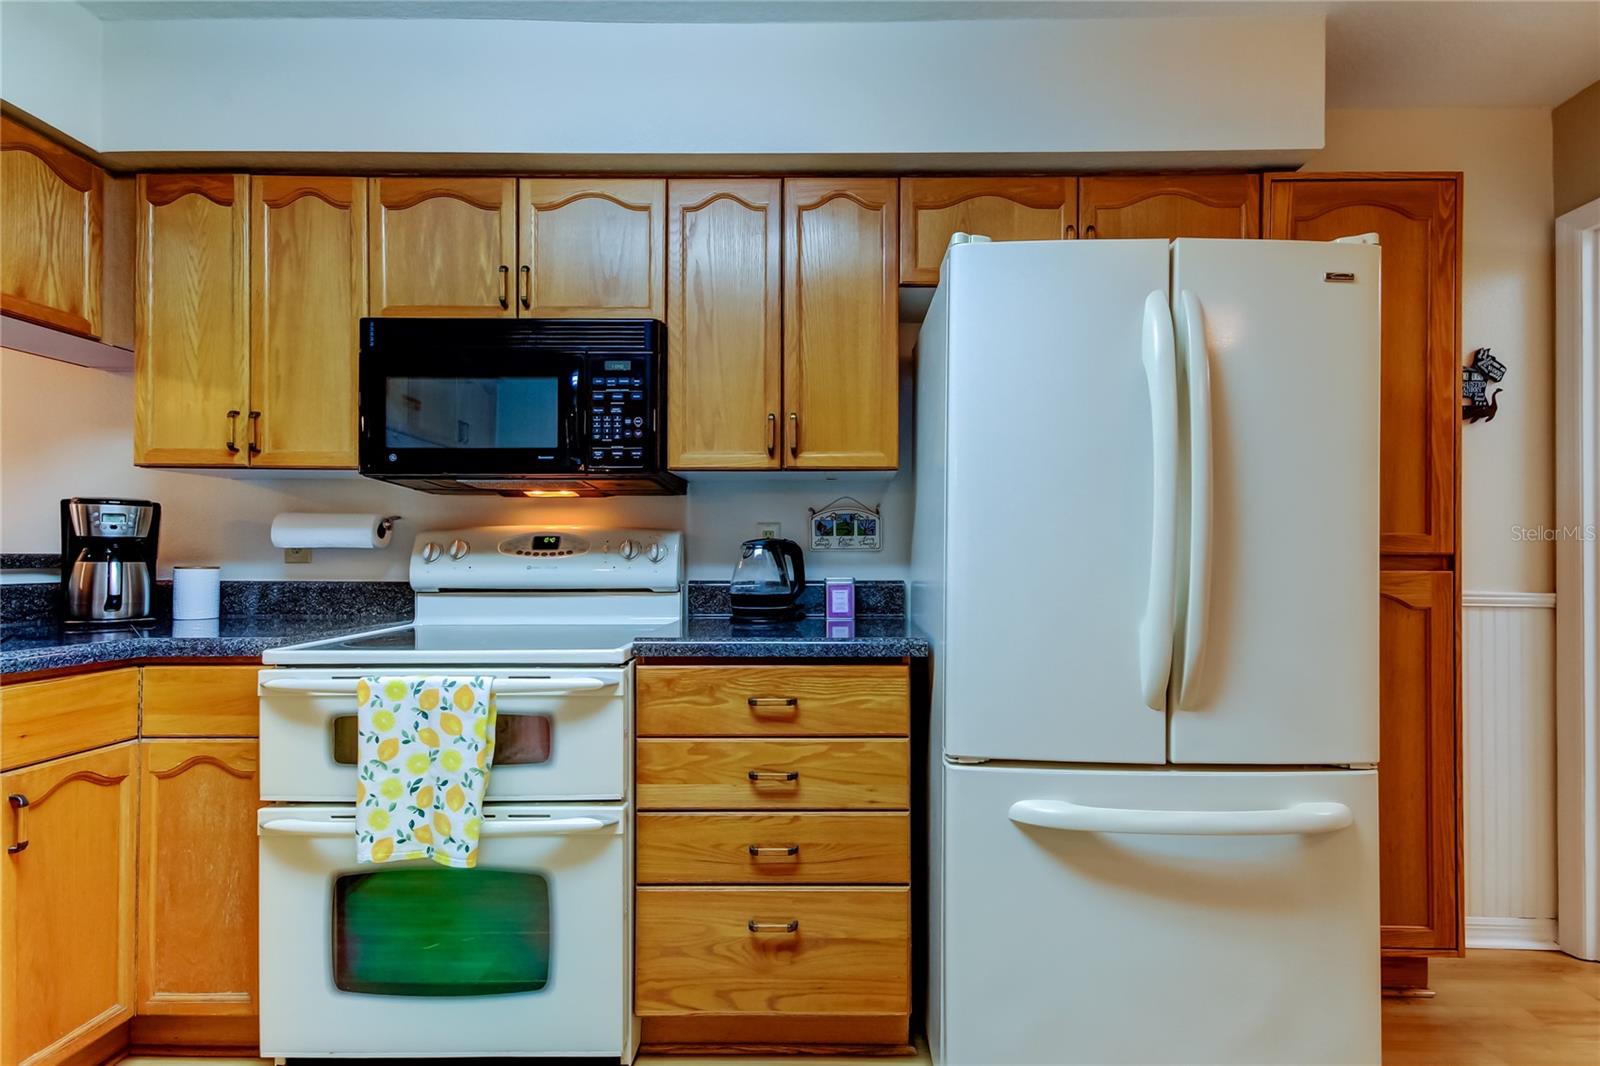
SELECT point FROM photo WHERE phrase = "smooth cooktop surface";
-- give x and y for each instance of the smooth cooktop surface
(487, 645)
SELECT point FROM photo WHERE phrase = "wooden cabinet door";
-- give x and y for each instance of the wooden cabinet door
(841, 306)
(1419, 813)
(192, 345)
(1170, 205)
(1003, 209)
(592, 248)
(197, 877)
(1417, 220)
(724, 323)
(308, 288)
(51, 210)
(442, 246)
(67, 904)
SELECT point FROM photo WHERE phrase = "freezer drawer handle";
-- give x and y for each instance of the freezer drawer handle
(790, 850)
(519, 686)
(790, 926)
(492, 827)
(1302, 818)
(774, 775)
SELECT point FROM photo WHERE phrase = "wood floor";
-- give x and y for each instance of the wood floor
(1493, 1008)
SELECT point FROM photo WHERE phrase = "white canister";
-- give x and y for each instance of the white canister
(196, 592)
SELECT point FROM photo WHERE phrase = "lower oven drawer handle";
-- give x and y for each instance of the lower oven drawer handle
(1299, 819)
(509, 827)
(521, 686)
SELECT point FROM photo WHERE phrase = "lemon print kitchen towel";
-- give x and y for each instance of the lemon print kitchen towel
(426, 744)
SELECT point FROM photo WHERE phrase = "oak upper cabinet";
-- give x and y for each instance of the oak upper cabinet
(51, 227)
(840, 323)
(197, 877)
(192, 350)
(1419, 823)
(443, 246)
(1169, 206)
(1417, 219)
(592, 248)
(724, 323)
(308, 286)
(67, 904)
(1002, 209)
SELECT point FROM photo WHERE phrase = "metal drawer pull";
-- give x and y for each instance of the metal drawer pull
(758, 850)
(785, 705)
(505, 287)
(774, 775)
(791, 926)
(233, 433)
(19, 803)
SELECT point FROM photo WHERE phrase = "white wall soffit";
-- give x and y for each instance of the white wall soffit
(50, 66)
(1242, 90)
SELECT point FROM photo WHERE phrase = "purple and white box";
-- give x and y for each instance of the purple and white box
(839, 595)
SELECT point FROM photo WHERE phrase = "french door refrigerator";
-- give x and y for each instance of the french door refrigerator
(1146, 553)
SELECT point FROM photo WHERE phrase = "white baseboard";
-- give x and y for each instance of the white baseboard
(1529, 934)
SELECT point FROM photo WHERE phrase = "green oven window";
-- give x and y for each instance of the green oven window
(415, 931)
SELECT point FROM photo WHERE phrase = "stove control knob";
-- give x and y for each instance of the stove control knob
(656, 553)
(459, 549)
(628, 549)
(430, 552)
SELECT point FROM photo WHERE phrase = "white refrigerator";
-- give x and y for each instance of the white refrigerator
(1145, 550)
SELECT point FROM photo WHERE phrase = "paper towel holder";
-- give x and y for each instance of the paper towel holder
(387, 524)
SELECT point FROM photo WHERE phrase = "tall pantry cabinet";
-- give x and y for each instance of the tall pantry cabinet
(1417, 218)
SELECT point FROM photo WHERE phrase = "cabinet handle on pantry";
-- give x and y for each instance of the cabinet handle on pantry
(774, 775)
(786, 705)
(233, 432)
(255, 432)
(758, 850)
(19, 803)
(505, 286)
(790, 926)
(794, 434)
(772, 433)
(525, 284)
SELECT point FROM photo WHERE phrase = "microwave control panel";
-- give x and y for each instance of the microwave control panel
(619, 413)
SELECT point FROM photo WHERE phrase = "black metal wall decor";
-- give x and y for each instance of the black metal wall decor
(1477, 403)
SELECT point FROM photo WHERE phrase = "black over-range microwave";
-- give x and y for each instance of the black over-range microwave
(516, 407)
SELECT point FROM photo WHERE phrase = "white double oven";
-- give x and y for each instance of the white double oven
(528, 953)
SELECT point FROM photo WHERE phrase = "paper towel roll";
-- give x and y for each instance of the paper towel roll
(294, 530)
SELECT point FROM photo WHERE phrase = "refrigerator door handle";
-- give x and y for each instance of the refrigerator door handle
(1301, 819)
(1155, 627)
(1197, 610)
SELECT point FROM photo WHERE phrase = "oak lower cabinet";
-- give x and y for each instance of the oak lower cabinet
(1169, 206)
(773, 856)
(67, 904)
(52, 204)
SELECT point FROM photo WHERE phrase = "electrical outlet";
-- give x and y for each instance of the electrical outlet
(297, 555)
(769, 529)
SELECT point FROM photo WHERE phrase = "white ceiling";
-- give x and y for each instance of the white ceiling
(1397, 53)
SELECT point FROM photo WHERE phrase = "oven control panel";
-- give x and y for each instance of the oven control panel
(520, 558)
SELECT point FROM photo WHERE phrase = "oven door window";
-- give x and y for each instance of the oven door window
(416, 931)
(519, 739)
(470, 413)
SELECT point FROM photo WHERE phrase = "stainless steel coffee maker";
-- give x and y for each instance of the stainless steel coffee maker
(108, 560)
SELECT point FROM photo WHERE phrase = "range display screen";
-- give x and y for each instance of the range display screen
(547, 542)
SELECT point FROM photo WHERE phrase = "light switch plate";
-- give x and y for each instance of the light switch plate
(297, 555)
(768, 528)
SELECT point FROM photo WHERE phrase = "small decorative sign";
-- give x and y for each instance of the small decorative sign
(1477, 403)
(846, 524)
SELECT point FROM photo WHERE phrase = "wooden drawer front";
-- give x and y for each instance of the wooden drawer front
(826, 774)
(776, 701)
(42, 720)
(200, 701)
(848, 953)
(859, 848)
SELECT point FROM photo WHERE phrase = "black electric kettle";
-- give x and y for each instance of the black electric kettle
(768, 580)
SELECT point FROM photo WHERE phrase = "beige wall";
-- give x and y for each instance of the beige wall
(1577, 149)
(1507, 471)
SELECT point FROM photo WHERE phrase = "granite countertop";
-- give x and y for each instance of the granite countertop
(722, 637)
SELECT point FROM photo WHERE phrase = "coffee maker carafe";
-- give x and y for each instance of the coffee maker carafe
(108, 560)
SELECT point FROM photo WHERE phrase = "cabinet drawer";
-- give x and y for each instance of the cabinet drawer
(772, 774)
(841, 701)
(813, 951)
(860, 848)
(200, 701)
(42, 720)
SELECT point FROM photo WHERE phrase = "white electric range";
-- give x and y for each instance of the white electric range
(529, 953)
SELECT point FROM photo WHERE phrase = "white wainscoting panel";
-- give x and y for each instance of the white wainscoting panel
(1508, 696)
